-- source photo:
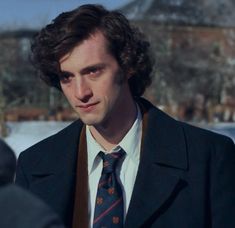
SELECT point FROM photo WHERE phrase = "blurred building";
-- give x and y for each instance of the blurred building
(194, 45)
(23, 96)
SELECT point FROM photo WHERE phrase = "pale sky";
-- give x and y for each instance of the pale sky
(36, 13)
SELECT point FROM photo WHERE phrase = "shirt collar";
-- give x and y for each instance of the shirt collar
(93, 148)
(130, 143)
(132, 139)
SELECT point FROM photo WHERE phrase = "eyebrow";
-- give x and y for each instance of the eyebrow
(87, 69)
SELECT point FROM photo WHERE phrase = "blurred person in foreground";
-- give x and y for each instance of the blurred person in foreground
(7, 164)
(19, 208)
(170, 174)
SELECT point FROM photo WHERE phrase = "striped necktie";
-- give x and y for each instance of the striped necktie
(109, 207)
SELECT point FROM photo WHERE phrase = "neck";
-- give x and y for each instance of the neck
(109, 134)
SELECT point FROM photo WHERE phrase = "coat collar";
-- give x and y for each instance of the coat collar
(163, 143)
(163, 159)
(61, 148)
(163, 139)
(53, 171)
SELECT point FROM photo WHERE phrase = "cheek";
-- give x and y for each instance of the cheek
(109, 88)
(64, 90)
(68, 92)
(111, 92)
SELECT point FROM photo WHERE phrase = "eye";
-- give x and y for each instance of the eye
(65, 77)
(94, 71)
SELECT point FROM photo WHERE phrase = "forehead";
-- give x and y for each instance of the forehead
(94, 47)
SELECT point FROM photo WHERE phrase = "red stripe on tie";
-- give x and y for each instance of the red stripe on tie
(102, 183)
(107, 211)
(114, 155)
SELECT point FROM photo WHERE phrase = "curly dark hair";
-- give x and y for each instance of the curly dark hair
(125, 42)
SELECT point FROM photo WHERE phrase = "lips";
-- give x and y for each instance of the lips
(87, 107)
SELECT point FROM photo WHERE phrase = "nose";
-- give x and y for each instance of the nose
(83, 91)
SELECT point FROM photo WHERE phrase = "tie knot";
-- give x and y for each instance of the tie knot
(110, 160)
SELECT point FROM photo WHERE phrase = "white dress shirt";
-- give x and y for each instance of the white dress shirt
(131, 144)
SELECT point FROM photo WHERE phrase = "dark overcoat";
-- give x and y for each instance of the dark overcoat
(186, 175)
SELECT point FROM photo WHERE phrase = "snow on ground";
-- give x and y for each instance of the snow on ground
(24, 134)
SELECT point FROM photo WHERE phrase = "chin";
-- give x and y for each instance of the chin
(91, 122)
(94, 119)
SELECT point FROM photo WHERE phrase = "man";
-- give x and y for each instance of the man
(7, 164)
(170, 174)
(19, 208)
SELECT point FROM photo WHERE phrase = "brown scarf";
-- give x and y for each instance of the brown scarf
(80, 212)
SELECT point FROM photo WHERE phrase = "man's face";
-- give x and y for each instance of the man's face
(93, 82)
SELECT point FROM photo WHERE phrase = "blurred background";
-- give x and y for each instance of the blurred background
(193, 42)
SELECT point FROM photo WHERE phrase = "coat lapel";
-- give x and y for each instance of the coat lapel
(53, 175)
(163, 159)
(62, 150)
